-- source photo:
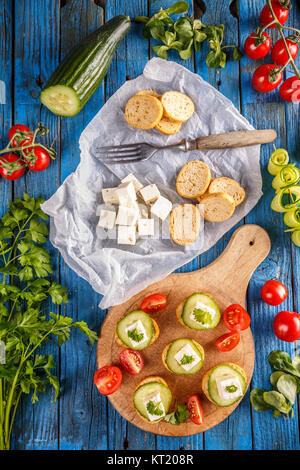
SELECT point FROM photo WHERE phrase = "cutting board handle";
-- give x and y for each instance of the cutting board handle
(248, 247)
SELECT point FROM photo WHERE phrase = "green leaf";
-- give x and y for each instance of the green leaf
(83, 327)
(178, 7)
(281, 360)
(37, 231)
(55, 384)
(277, 401)
(213, 60)
(223, 59)
(237, 53)
(201, 316)
(58, 293)
(169, 38)
(161, 51)
(187, 53)
(135, 336)
(179, 415)
(257, 400)
(141, 19)
(154, 408)
(186, 360)
(26, 274)
(287, 385)
(184, 29)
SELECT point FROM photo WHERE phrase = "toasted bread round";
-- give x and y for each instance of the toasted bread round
(185, 224)
(206, 377)
(177, 106)
(147, 92)
(229, 186)
(164, 353)
(193, 179)
(179, 309)
(216, 207)
(154, 337)
(146, 381)
(143, 112)
(168, 127)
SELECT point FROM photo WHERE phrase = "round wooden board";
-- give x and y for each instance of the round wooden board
(236, 263)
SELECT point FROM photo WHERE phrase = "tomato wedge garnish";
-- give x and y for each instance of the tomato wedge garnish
(236, 318)
(154, 303)
(195, 408)
(228, 341)
(132, 361)
(108, 379)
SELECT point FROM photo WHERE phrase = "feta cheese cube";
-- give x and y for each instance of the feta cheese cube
(140, 330)
(229, 387)
(136, 183)
(126, 234)
(146, 227)
(187, 350)
(110, 196)
(161, 208)
(127, 216)
(150, 193)
(107, 219)
(156, 399)
(126, 194)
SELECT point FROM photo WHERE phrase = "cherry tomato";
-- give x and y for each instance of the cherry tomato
(273, 292)
(42, 160)
(132, 361)
(15, 164)
(195, 408)
(287, 326)
(236, 318)
(228, 341)
(279, 54)
(281, 13)
(266, 78)
(108, 379)
(290, 89)
(20, 141)
(154, 303)
(256, 48)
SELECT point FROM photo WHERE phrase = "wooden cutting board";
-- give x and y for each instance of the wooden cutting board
(226, 280)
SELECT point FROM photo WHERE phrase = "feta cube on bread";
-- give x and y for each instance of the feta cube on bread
(177, 106)
(143, 111)
(161, 208)
(229, 186)
(185, 224)
(193, 179)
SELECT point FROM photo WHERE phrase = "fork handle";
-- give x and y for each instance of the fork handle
(231, 140)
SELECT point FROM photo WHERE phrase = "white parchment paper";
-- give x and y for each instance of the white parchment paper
(119, 272)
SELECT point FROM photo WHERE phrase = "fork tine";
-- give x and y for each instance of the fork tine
(122, 153)
(118, 148)
(114, 160)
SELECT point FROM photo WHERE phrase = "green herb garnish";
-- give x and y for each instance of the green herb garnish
(135, 336)
(231, 388)
(179, 415)
(201, 316)
(154, 408)
(186, 360)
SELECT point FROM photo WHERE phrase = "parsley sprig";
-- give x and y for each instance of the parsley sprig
(135, 336)
(154, 408)
(201, 316)
(24, 326)
(179, 415)
(186, 360)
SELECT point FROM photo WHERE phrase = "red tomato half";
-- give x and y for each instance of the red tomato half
(20, 141)
(266, 78)
(279, 54)
(17, 165)
(195, 408)
(228, 341)
(132, 361)
(273, 292)
(236, 318)
(42, 158)
(108, 379)
(256, 48)
(290, 89)
(281, 13)
(287, 326)
(154, 303)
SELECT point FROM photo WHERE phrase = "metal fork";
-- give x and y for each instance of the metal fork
(142, 151)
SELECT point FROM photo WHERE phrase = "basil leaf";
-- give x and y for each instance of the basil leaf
(161, 51)
(257, 400)
(178, 7)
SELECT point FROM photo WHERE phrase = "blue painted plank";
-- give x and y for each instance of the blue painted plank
(38, 424)
(83, 411)
(267, 111)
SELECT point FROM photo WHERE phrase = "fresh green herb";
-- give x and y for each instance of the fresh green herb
(201, 316)
(281, 360)
(135, 336)
(186, 360)
(24, 289)
(179, 415)
(186, 34)
(154, 408)
(231, 388)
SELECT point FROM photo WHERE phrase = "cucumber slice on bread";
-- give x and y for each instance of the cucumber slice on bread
(136, 330)
(228, 378)
(155, 390)
(199, 312)
(183, 356)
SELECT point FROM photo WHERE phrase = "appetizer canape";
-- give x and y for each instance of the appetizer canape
(199, 312)
(183, 356)
(152, 399)
(136, 330)
(224, 384)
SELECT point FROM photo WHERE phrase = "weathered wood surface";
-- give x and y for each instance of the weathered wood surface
(34, 35)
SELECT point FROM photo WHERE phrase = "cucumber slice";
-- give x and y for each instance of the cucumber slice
(131, 319)
(61, 100)
(221, 371)
(205, 308)
(149, 390)
(174, 365)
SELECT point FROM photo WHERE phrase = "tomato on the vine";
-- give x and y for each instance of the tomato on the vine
(290, 89)
(132, 361)
(281, 10)
(108, 379)
(279, 54)
(228, 341)
(39, 158)
(20, 141)
(266, 78)
(256, 46)
(236, 318)
(11, 166)
(195, 408)
(273, 292)
(287, 326)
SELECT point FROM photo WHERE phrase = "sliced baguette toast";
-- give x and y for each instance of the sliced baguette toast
(177, 106)
(193, 179)
(229, 186)
(216, 207)
(143, 112)
(185, 224)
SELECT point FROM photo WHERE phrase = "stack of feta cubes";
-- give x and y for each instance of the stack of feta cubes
(129, 218)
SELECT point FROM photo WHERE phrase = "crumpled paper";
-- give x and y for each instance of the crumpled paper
(119, 272)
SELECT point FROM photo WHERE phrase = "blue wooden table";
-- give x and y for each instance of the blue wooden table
(34, 36)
